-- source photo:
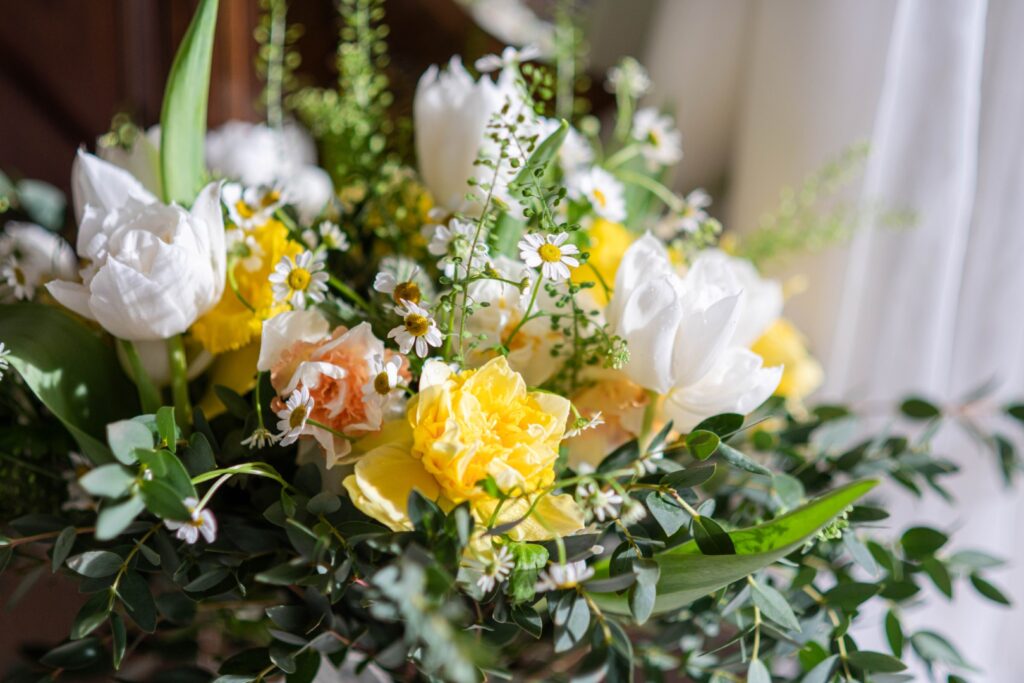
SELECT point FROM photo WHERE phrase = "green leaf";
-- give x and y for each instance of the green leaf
(163, 501)
(921, 541)
(120, 638)
(894, 633)
(125, 436)
(93, 613)
(740, 461)
(134, 593)
(167, 428)
(849, 596)
(757, 672)
(307, 664)
(687, 574)
(860, 554)
(61, 547)
(114, 517)
(167, 468)
(711, 537)
(866, 660)
(1016, 411)
(183, 118)
(702, 443)
(789, 490)
(198, 455)
(939, 575)
(76, 654)
(919, 409)
(507, 232)
(689, 477)
(543, 154)
(108, 481)
(774, 606)
(723, 425)
(528, 619)
(530, 559)
(669, 516)
(822, 673)
(932, 647)
(95, 563)
(643, 593)
(988, 590)
(70, 370)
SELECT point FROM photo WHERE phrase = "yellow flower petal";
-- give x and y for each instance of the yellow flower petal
(782, 344)
(554, 515)
(235, 370)
(608, 242)
(382, 482)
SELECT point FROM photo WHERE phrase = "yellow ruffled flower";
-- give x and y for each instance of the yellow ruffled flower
(460, 429)
(231, 324)
(782, 344)
(608, 242)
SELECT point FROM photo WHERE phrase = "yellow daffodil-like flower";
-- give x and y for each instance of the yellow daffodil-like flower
(608, 242)
(460, 429)
(782, 344)
(231, 324)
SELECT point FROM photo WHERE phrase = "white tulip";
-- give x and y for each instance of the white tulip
(256, 154)
(152, 268)
(450, 116)
(762, 300)
(682, 334)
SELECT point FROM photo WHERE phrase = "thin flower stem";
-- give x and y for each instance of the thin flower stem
(127, 561)
(350, 293)
(259, 402)
(18, 462)
(621, 157)
(526, 314)
(15, 542)
(149, 396)
(656, 188)
(179, 382)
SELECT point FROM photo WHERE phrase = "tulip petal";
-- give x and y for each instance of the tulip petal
(71, 295)
(104, 185)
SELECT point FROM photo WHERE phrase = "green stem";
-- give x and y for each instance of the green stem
(526, 315)
(650, 411)
(657, 189)
(622, 156)
(350, 293)
(149, 396)
(179, 381)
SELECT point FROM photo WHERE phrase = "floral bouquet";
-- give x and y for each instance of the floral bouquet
(504, 408)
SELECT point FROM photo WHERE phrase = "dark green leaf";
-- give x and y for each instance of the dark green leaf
(939, 575)
(93, 613)
(167, 428)
(866, 660)
(644, 592)
(235, 404)
(76, 654)
(774, 606)
(689, 477)
(125, 436)
(323, 503)
(527, 618)
(307, 664)
(894, 633)
(197, 457)
(919, 409)
(62, 547)
(109, 481)
(134, 593)
(849, 596)
(119, 639)
(988, 590)
(95, 563)
(723, 425)
(1016, 411)
(183, 117)
(922, 541)
(711, 538)
(702, 443)
(163, 501)
(669, 516)
(207, 580)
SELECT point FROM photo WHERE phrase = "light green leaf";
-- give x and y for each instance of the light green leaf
(183, 118)
(108, 481)
(757, 672)
(687, 574)
(774, 606)
(114, 517)
(70, 370)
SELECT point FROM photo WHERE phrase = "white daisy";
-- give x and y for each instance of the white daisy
(332, 237)
(17, 279)
(244, 247)
(394, 270)
(384, 377)
(300, 280)
(261, 437)
(598, 503)
(583, 424)
(559, 576)
(405, 290)
(202, 522)
(418, 330)
(661, 143)
(5, 362)
(602, 190)
(250, 207)
(550, 253)
(492, 567)
(688, 219)
(629, 77)
(510, 57)
(457, 244)
(292, 418)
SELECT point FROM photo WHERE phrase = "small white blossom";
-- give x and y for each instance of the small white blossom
(560, 576)
(492, 567)
(250, 207)
(243, 246)
(418, 330)
(601, 189)
(510, 57)
(598, 503)
(261, 437)
(647, 464)
(632, 511)
(384, 377)
(457, 243)
(399, 290)
(629, 77)
(332, 237)
(300, 280)
(292, 418)
(16, 278)
(583, 424)
(550, 253)
(661, 143)
(5, 362)
(202, 522)
(688, 219)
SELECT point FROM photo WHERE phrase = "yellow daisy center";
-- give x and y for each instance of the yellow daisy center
(297, 417)
(653, 138)
(550, 253)
(243, 209)
(407, 291)
(298, 279)
(381, 384)
(270, 198)
(600, 198)
(416, 324)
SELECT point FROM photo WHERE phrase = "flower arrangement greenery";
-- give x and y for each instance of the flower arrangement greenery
(507, 411)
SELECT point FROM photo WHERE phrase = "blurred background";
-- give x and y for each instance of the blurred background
(767, 93)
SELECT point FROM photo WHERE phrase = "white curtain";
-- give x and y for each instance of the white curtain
(769, 90)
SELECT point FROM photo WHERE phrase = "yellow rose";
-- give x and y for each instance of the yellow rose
(231, 324)
(460, 429)
(608, 242)
(782, 344)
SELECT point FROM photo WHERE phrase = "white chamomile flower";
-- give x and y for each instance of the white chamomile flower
(300, 280)
(491, 567)
(261, 437)
(418, 330)
(394, 270)
(598, 503)
(559, 576)
(661, 143)
(632, 511)
(457, 243)
(244, 247)
(583, 424)
(688, 219)
(601, 189)
(400, 290)
(293, 416)
(17, 279)
(202, 522)
(647, 464)
(510, 57)
(550, 253)
(250, 207)
(332, 237)
(5, 362)
(384, 377)
(629, 78)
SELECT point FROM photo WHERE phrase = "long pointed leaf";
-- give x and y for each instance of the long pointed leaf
(687, 574)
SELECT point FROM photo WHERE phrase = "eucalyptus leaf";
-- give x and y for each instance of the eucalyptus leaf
(774, 606)
(108, 481)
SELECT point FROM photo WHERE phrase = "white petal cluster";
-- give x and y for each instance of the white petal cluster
(30, 256)
(559, 576)
(202, 524)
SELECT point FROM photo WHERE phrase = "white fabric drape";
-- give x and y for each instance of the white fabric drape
(937, 88)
